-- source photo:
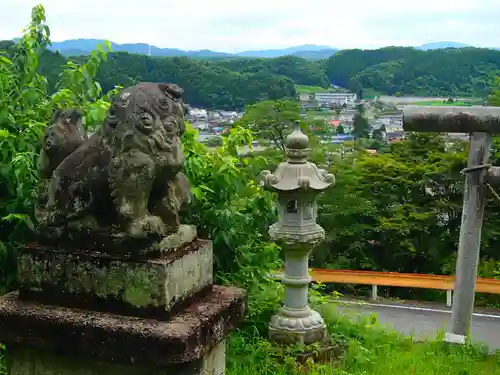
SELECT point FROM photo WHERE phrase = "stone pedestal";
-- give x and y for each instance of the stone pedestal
(30, 361)
(96, 312)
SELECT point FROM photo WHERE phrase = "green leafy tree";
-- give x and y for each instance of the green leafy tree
(25, 109)
(23, 112)
(271, 120)
(494, 98)
(321, 128)
(378, 135)
(338, 110)
(395, 212)
(229, 207)
(78, 88)
(361, 128)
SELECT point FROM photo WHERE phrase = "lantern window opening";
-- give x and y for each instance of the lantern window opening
(292, 207)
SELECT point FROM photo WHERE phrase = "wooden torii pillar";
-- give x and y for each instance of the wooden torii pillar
(480, 123)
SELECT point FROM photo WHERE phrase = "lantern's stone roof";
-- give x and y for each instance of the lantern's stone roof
(297, 173)
(292, 177)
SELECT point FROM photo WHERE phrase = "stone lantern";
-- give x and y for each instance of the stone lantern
(297, 183)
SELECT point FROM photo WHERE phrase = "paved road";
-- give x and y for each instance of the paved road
(426, 322)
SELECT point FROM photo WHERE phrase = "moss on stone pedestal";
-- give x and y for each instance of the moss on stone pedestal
(90, 336)
(27, 361)
(105, 282)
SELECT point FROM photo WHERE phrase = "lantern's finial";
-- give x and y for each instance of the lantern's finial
(297, 140)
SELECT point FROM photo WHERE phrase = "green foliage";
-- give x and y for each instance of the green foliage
(25, 110)
(3, 366)
(401, 212)
(77, 87)
(271, 121)
(494, 98)
(230, 208)
(386, 211)
(22, 112)
(407, 71)
(321, 128)
(344, 65)
(361, 127)
(236, 82)
(370, 348)
(206, 83)
(304, 89)
(301, 71)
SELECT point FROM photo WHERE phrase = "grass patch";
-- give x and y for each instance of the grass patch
(436, 103)
(3, 367)
(369, 93)
(321, 114)
(303, 89)
(370, 350)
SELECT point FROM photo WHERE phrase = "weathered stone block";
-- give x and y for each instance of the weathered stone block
(43, 339)
(24, 361)
(101, 281)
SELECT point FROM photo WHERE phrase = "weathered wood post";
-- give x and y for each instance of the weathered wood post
(480, 123)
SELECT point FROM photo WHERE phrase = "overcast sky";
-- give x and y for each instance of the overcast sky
(231, 25)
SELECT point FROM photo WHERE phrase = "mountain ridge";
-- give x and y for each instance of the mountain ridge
(83, 46)
(443, 44)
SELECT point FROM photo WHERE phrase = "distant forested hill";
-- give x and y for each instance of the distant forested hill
(408, 71)
(301, 71)
(232, 83)
(206, 83)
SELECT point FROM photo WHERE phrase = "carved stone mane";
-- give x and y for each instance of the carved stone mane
(125, 179)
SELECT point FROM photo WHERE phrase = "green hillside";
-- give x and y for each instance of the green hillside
(407, 71)
(206, 83)
(232, 83)
(301, 71)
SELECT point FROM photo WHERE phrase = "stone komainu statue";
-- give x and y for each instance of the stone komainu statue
(126, 178)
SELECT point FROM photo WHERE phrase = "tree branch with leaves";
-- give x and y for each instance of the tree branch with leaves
(271, 120)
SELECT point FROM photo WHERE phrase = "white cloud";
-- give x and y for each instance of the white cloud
(228, 25)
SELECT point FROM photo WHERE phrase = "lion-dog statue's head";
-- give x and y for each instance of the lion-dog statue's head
(148, 117)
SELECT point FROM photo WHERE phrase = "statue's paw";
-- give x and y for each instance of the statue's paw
(147, 226)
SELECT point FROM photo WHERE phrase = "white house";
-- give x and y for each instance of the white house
(335, 98)
(392, 123)
(198, 112)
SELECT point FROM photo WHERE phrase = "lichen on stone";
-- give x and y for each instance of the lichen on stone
(126, 179)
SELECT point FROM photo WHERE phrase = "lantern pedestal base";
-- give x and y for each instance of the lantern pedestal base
(303, 329)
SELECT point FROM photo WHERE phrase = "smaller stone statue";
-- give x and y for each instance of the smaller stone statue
(125, 181)
(62, 137)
